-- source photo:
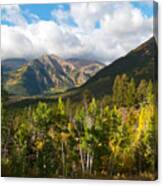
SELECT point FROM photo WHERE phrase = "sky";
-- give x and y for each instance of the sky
(95, 31)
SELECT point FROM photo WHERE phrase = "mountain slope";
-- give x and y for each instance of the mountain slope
(12, 64)
(49, 73)
(140, 63)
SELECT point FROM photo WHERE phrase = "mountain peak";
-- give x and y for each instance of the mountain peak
(51, 74)
(146, 46)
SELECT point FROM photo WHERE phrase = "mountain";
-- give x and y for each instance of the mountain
(82, 62)
(140, 63)
(49, 74)
(12, 64)
(87, 68)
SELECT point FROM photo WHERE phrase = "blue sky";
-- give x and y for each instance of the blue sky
(43, 11)
(98, 31)
(146, 8)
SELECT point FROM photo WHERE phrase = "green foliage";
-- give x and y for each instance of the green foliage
(42, 116)
(92, 139)
(141, 91)
(60, 107)
(150, 95)
(130, 93)
(117, 91)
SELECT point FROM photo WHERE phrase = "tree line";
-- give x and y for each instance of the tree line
(114, 138)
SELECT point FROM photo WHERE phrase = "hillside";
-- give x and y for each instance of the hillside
(12, 64)
(49, 74)
(140, 63)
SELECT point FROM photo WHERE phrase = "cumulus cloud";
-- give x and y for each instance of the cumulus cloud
(12, 14)
(37, 39)
(87, 14)
(121, 28)
(15, 16)
(61, 16)
(14, 43)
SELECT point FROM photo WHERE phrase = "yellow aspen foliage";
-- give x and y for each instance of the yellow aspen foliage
(114, 146)
(39, 144)
(61, 109)
(145, 117)
(106, 110)
(51, 133)
(64, 136)
(70, 127)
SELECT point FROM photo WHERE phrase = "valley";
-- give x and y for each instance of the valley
(138, 64)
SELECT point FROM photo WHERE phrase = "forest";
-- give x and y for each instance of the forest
(113, 137)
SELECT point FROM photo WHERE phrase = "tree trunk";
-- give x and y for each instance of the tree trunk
(87, 162)
(91, 164)
(63, 159)
(82, 160)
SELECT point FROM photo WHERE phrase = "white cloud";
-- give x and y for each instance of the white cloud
(14, 43)
(122, 28)
(61, 16)
(37, 39)
(12, 14)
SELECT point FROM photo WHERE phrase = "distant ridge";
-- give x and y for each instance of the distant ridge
(47, 74)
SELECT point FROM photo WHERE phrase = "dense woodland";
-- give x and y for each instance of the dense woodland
(114, 137)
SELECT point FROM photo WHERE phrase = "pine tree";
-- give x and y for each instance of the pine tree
(130, 93)
(117, 91)
(141, 91)
(150, 95)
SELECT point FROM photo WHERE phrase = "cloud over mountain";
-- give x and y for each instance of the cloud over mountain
(100, 31)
